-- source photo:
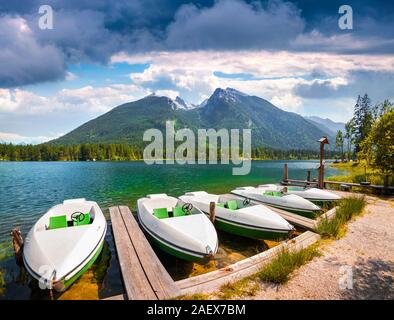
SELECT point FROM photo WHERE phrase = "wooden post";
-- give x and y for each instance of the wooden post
(321, 167)
(212, 211)
(322, 141)
(308, 176)
(17, 242)
(286, 172)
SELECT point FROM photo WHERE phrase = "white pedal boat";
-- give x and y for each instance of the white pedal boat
(64, 243)
(277, 199)
(241, 217)
(177, 227)
(311, 194)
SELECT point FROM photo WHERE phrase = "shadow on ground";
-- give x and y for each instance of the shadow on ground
(373, 280)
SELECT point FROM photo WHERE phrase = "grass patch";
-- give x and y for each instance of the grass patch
(196, 296)
(2, 283)
(278, 270)
(238, 289)
(335, 228)
(355, 173)
(6, 251)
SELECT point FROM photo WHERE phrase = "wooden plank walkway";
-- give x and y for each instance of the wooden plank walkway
(144, 277)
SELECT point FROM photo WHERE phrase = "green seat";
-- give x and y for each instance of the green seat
(160, 213)
(85, 221)
(220, 205)
(178, 212)
(57, 222)
(232, 205)
(268, 193)
(277, 194)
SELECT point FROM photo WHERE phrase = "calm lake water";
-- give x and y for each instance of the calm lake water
(29, 189)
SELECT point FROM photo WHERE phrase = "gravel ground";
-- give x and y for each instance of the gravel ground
(365, 255)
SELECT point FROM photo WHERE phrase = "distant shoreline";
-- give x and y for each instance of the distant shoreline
(164, 160)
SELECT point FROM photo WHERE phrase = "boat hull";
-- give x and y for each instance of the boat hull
(302, 212)
(63, 285)
(250, 231)
(176, 251)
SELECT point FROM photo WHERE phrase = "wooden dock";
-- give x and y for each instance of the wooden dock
(144, 277)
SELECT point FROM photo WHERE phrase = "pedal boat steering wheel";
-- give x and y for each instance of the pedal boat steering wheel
(187, 208)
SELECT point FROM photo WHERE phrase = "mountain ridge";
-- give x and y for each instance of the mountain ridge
(225, 108)
(327, 125)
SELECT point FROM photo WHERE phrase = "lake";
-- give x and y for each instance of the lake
(29, 189)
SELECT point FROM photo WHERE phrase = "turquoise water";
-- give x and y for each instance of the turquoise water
(29, 189)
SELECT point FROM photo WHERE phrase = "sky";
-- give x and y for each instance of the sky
(103, 53)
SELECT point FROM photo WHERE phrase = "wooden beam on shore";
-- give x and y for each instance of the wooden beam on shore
(296, 219)
(299, 183)
(358, 185)
(144, 277)
(212, 281)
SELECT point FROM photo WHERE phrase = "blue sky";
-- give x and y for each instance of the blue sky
(103, 53)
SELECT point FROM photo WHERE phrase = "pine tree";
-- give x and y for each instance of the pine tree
(362, 119)
(339, 142)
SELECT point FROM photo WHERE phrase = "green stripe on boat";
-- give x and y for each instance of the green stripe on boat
(69, 282)
(249, 232)
(174, 252)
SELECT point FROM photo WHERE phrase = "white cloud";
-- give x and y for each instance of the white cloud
(167, 93)
(274, 76)
(271, 75)
(7, 137)
(71, 76)
(18, 100)
(86, 99)
(287, 102)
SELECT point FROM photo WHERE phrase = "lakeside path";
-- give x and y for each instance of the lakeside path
(367, 247)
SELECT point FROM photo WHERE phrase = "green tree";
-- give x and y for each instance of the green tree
(378, 148)
(339, 142)
(363, 119)
(349, 135)
(382, 108)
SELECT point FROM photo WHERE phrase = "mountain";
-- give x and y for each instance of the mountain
(226, 108)
(271, 126)
(330, 127)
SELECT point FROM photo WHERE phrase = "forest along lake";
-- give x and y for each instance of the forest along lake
(29, 189)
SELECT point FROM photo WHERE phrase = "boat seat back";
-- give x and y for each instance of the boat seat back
(160, 213)
(232, 205)
(57, 222)
(84, 221)
(273, 193)
(157, 196)
(196, 193)
(178, 212)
